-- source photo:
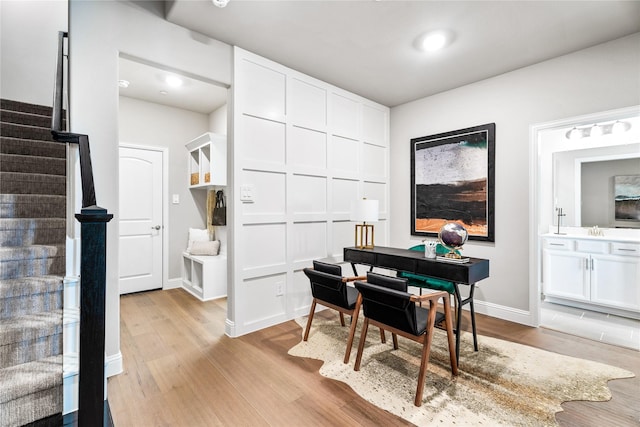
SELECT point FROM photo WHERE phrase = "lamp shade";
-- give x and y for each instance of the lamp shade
(364, 210)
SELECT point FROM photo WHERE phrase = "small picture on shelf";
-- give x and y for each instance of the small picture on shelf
(195, 179)
(207, 177)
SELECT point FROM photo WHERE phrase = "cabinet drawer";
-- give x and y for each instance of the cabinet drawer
(592, 246)
(559, 244)
(619, 248)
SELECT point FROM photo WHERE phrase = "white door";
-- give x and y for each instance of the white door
(141, 225)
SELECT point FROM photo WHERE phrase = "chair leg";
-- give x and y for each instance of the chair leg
(394, 337)
(352, 329)
(453, 350)
(309, 320)
(363, 338)
(426, 350)
(383, 337)
(341, 319)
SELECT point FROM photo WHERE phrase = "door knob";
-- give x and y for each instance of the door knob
(157, 227)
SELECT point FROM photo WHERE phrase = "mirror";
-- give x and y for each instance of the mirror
(561, 161)
(583, 184)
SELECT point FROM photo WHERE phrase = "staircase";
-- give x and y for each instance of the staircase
(32, 265)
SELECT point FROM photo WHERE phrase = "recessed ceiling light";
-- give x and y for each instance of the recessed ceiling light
(123, 83)
(163, 92)
(173, 81)
(434, 40)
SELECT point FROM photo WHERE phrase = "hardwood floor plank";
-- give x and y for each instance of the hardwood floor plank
(181, 370)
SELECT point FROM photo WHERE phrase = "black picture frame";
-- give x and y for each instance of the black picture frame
(453, 180)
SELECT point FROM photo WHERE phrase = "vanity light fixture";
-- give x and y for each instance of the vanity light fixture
(597, 130)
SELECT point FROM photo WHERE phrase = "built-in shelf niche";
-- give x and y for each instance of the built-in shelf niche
(207, 161)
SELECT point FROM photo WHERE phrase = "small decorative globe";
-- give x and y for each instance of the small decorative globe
(453, 236)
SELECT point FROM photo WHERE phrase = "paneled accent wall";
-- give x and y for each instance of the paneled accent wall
(302, 151)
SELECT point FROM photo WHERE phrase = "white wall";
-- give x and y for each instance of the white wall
(600, 78)
(99, 31)
(307, 149)
(145, 123)
(218, 120)
(29, 47)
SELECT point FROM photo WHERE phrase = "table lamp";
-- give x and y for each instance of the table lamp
(364, 211)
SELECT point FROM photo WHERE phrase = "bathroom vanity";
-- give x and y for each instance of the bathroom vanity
(600, 273)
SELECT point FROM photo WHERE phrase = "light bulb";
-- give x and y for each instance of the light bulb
(574, 133)
(596, 130)
(620, 127)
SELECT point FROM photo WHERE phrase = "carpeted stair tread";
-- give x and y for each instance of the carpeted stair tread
(30, 337)
(24, 286)
(25, 107)
(26, 183)
(17, 232)
(34, 260)
(25, 118)
(32, 164)
(41, 380)
(33, 206)
(13, 130)
(32, 147)
(30, 327)
(30, 295)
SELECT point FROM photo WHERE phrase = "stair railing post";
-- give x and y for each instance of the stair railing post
(93, 226)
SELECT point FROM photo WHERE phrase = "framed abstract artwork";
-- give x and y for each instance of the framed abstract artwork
(627, 198)
(453, 180)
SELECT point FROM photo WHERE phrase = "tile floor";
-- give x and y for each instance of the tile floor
(620, 331)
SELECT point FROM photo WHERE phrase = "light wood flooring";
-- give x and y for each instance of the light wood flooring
(181, 370)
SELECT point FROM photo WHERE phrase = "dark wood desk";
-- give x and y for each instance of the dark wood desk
(415, 262)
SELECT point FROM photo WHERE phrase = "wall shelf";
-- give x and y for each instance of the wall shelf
(207, 161)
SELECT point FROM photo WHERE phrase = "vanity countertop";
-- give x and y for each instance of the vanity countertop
(609, 234)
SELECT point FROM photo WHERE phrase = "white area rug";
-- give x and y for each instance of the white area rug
(504, 384)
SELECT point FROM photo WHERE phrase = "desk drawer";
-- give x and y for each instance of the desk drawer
(359, 257)
(395, 262)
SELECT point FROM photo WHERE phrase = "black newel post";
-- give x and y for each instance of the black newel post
(93, 220)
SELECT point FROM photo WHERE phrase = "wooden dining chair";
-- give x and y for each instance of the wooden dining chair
(330, 289)
(387, 304)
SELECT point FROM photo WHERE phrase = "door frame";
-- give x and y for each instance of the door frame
(165, 203)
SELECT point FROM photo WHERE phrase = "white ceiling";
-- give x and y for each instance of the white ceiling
(367, 47)
(147, 81)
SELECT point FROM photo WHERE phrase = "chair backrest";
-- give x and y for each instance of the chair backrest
(386, 300)
(328, 287)
(325, 267)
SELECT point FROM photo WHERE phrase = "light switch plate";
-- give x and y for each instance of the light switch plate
(175, 199)
(246, 193)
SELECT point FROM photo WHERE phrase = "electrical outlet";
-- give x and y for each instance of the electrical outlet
(279, 289)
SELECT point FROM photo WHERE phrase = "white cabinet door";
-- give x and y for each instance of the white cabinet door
(565, 275)
(615, 281)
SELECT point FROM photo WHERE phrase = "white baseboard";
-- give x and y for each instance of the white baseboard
(113, 365)
(230, 328)
(173, 283)
(511, 314)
